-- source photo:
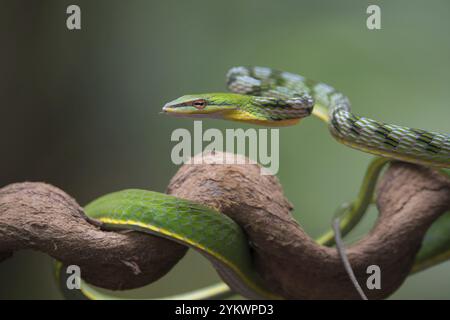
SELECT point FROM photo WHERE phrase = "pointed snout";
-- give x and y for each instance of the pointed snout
(169, 107)
(166, 107)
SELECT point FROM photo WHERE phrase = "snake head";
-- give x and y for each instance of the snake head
(267, 111)
(209, 105)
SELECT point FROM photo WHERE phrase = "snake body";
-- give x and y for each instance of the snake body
(272, 98)
(211, 233)
(387, 140)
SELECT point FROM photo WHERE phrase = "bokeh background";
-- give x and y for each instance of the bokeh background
(80, 109)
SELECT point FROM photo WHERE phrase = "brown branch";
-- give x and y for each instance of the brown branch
(410, 198)
(42, 217)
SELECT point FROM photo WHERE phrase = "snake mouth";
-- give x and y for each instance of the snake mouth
(175, 110)
(180, 113)
(167, 108)
(182, 110)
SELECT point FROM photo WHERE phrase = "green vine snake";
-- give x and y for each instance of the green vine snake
(269, 97)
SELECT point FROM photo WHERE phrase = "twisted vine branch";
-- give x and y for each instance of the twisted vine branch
(410, 198)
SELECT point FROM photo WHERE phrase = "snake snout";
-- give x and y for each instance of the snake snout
(166, 107)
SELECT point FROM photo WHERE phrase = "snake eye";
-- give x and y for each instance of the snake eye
(199, 104)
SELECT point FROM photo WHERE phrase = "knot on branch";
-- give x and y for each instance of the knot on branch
(410, 198)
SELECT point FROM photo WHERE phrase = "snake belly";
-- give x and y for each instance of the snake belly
(387, 140)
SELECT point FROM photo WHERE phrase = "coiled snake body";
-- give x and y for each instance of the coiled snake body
(388, 140)
(272, 98)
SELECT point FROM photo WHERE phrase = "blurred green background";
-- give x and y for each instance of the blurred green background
(80, 109)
